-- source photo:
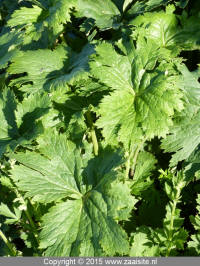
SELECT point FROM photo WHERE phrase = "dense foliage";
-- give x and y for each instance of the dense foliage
(99, 128)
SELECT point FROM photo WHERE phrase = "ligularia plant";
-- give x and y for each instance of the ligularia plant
(99, 128)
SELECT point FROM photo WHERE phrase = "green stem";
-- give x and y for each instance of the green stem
(133, 154)
(128, 164)
(32, 224)
(136, 154)
(93, 133)
(172, 222)
(30, 220)
(8, 244)
(135, 158)
(27, 213)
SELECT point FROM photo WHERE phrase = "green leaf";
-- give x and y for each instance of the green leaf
(172, 237)
(32, 108)
(5, 211)
(92, 197)
(184, 135)
(126, 4)
(77, 127)
(38, 65)
(190, 85)
(48, 69)
(24, 16)
(182, 3)
(192, 165)
(140, 7)
(189, 37)
(12, 217)
(163, 27)
(141, 244)
(105, 15)
(94, 231)
(8, 129)
(20, 121)
(114, 110)
(195, 243)
(56, 178)
(159, 26)
(111, 68)
(145, 165)
(9, 43)
(143, 103)
(7, 116)
(151, 4)
(39, 22)
(195, 220)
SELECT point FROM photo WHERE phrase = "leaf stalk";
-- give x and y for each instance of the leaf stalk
(175, 202)
(8, 244)
(93, 133)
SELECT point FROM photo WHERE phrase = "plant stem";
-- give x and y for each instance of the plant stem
(93, 133)
(135, 158)
(175, 202)
(128, 164)
(133, 154)
(136, 154)
(32, 224)
(30, 220)
(8, 244)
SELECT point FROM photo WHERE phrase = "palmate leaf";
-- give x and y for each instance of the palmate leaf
(111, 68)
(77, 127)
(189, 36)
(48, 69)
(159, 26)
(142, 103)
(110, 14)
(41, 22)
(170, 31)
(8, 129)
(184, 136)
(8, 43)
(20, 121)
(141, 244)
(7, 116)
(145, 6)
(86, 222)
(105, 15)
(141, 179)
(192, 165)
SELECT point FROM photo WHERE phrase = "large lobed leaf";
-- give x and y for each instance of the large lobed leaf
(105, 15)
(20, 122)
(143, 102)
(50, 69)
(184, 136)
(40, 22)
(86, 221)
